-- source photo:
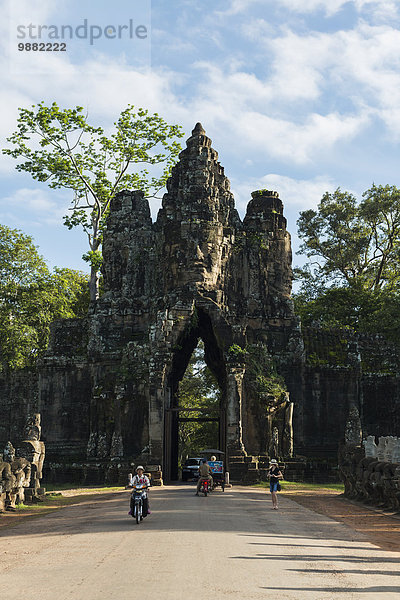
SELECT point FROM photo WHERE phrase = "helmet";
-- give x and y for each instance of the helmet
(139, 467)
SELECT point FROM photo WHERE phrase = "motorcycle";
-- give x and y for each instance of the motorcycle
(205, 486)
(138, 495)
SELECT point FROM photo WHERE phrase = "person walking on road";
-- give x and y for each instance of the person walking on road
(274, 475)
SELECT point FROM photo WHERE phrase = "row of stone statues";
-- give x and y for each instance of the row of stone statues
(370, 471)
(369, 479)
(21, 468)
(387, 449)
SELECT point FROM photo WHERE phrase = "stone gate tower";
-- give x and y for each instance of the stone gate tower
(197, 272)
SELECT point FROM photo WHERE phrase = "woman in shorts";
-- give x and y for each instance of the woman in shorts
(274, 475)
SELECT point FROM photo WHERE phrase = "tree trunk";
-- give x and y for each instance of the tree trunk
(94, 284)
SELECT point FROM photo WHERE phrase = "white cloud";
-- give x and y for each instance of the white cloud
(371, 61)
(379, 9)
(35, 206)
(246, 110)
(276, 114)
(382, 9)
(358, 68)
(299, 142)
(238, 6)
(297, 194)
(300, 64)
(330, 7)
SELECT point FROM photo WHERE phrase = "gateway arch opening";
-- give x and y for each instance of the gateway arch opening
(195, 418)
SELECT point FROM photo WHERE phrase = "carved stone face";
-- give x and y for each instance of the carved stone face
(32, 427)
(9, 452)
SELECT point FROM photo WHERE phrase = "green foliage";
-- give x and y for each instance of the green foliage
(352, 243)
(94, 258)
(353, 278)
(364, 311)
(267, 386)
(250, 240)
(237, 351)
(31, 298)
(261, 373)
(59, 147)
(198, 389)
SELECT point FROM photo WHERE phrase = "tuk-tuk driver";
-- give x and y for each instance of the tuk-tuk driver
(205, 474)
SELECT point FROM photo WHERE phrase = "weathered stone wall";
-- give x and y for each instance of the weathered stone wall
(65, 389)
(343, 369)
(18, 398)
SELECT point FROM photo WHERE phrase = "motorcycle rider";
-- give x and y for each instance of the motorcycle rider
(141, 479)
(205, 475)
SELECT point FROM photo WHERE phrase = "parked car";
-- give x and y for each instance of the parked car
(190, 469)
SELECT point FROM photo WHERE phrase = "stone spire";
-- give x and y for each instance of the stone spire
(198, 188)
(198, 130)
(197, 139)
(265, 212)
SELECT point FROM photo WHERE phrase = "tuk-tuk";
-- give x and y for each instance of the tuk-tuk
(217, 467)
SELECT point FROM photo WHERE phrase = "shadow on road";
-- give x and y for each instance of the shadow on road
(242, 511)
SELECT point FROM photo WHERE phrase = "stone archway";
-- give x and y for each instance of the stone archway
(200, 328)
(197, 272)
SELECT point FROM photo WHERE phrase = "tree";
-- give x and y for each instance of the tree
(350, 243)
(61, 148)
(31, 298)
(354, 272)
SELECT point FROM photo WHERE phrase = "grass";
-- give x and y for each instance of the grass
(55, 487)
(51, 501)
(51, 487)
(300, 486)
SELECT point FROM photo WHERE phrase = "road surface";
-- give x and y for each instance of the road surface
(228, 545)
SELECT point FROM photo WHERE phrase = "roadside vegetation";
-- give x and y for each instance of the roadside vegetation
(296, 487)
(351, 279)
(31, 298)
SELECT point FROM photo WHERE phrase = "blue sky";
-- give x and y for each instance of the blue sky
(298, 96)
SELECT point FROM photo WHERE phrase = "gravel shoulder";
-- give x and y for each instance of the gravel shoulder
(54, 502)
(380, 527)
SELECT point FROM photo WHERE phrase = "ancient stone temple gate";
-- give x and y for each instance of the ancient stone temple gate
(197, 272)
(107, 387)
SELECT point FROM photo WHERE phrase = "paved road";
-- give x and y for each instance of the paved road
(228, 545)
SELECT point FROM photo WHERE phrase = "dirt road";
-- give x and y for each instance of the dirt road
(228, 545)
